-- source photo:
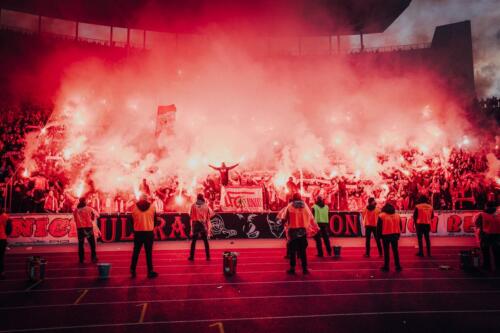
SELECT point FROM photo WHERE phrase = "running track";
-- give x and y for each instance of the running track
(349, 294)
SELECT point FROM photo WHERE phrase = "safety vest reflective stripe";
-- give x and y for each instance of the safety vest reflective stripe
(370, 217)
(424, 213)
(491, 223)
(321, 214)
(390, 224)
(144, 221)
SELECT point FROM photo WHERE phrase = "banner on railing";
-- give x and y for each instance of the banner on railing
(60, 228)
(241, 199)
(43, 229)
(444, 223)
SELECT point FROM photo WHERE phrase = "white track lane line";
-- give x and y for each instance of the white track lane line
(215, 299)
(282, 262)
(212, 320)
(126, 258)
(110, 253)
(95, 277)
(158, 286)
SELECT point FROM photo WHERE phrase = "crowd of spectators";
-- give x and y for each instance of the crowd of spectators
(458, 181)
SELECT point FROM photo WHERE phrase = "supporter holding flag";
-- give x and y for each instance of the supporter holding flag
(389, 230)
(200, 215)
(422, 216)
(300, 222)
(84, 219)
(488, 222)
(5, 230)
(144, 219)
(320, 211)
(370, 217)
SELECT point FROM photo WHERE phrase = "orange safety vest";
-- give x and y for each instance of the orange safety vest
(3, 225)
(299, 217)
(370, 217)
(84, 217)
(390, 224)
(491, 223)
(200, 213)
(144, 220)
(424, 213)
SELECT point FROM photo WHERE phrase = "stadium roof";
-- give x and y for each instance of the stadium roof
(285, 17)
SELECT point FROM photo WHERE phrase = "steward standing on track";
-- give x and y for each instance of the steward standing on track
(5, 230)
(84, 218)
(320, 211)
(488, 222)
(144, 217)
(300, 221)
(200, 215)
(370, 218)
(389, 229)
(422, 216)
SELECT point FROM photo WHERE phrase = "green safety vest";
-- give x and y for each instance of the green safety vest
(321, 214)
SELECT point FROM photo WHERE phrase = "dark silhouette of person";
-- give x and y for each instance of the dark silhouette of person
(224, 172)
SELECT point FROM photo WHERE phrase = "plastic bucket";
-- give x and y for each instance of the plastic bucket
(103, 269)
(469, 259)
(35, 268)
(229, 261)
(336, 251)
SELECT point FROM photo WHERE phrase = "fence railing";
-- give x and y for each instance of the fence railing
(145, 39)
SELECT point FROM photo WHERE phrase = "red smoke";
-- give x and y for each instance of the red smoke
(325, 115)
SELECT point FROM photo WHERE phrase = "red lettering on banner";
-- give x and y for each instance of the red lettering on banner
(59, 227)
(453, 223)
(434, 224)
(232, 198)
(468, 224)
(41, 227)
(338, 218)
(104, 227)
(177, 228)
(22, 227)
(124, 236)
(72, 230)
(159, 233)
(351, 224)
(411, 225)
(404, 221)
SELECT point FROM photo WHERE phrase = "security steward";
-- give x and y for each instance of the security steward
(320, 211)
(423, 215)
(300, 222)
(200, 215)
(144, 217)
(5, 230)
(84, 218)
(370, 217)
(389, 230)
(488, 222)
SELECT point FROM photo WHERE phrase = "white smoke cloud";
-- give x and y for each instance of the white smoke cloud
(273, 114)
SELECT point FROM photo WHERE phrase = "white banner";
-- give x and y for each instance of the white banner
(241, 199)
(43, 229)
(445, 223)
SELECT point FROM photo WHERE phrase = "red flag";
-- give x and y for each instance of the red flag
(165, 119)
